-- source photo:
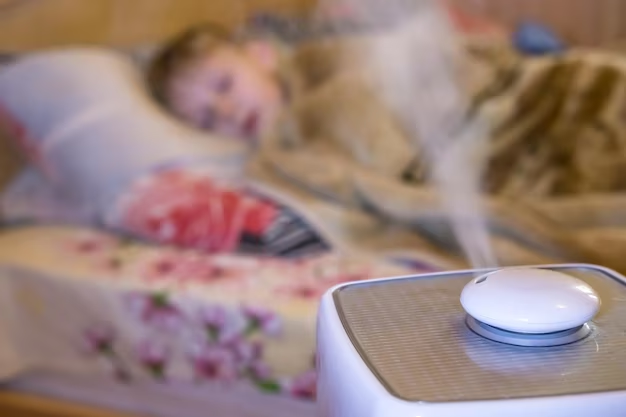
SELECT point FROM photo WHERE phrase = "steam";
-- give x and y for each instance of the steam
(416, 64)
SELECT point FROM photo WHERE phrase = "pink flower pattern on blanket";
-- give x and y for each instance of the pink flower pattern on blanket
(192, 341)
(313, 280)
(178, 269)
(155, 310)
(190, 210)
(182, 266)
(98, 338)
(98, 249)
(262, 319)
(304, 385)
(212, 362)
(154, 357)
(218, 344)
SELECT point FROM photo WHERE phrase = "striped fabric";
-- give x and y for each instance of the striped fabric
(558, 126)
(288, 236)
(565, 132)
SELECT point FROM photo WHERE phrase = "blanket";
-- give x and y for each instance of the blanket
(553, 185)
(85, 308)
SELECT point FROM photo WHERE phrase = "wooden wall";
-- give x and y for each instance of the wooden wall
(42, 23)
(26, 24)
(591, 22)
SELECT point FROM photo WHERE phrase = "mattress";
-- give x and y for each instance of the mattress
(91, 317)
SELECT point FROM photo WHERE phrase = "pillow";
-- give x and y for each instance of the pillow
(29, 197)
(84, 118)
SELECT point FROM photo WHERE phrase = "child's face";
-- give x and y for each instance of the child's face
(232, 91)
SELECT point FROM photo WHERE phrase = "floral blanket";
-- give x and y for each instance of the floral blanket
(85, 303)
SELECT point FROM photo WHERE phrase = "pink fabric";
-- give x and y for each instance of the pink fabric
(471, 24)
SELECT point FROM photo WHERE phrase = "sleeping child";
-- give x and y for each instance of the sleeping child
(258, 90)
(554, 122)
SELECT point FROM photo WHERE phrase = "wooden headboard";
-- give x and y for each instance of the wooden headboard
(588, 22)
(27, 24)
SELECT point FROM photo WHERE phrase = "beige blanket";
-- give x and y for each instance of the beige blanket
(553, 187)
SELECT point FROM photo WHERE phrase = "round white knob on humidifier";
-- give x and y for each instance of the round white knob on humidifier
(529, 300)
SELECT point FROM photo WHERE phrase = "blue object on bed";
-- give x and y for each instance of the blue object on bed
(533, 38)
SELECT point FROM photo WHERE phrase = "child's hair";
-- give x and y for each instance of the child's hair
(181, 51)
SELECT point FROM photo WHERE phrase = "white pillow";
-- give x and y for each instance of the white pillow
(85, 119)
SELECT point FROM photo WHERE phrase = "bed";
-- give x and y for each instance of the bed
(90, 317)
(160, 330)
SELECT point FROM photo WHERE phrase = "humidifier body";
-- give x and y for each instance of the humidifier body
(402, 347)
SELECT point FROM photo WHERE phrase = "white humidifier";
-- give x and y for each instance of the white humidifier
(546, 341)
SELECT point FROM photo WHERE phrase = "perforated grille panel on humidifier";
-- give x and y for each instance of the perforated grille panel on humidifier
(412, 334)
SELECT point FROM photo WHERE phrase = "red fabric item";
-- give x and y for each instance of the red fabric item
(190, 210)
